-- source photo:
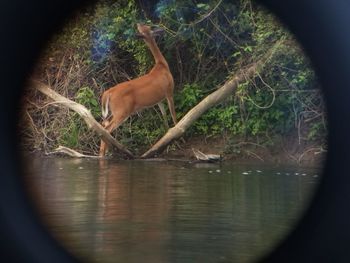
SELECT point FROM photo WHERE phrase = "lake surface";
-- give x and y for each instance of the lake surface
(138, 211)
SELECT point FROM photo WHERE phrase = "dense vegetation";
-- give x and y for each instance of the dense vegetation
(205, 43)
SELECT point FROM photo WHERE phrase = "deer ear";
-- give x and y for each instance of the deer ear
(139, 35)
(158, 32)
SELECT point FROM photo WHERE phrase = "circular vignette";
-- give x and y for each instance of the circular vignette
(321, 26)
(323, 234)
(25, 28)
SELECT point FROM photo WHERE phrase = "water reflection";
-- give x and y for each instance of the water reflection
(107, 211)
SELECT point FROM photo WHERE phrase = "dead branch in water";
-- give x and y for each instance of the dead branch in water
(71, 153)
(84, 113)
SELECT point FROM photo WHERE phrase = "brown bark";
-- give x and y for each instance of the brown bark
(84, 113)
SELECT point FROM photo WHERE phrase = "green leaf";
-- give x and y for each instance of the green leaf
(201, 5)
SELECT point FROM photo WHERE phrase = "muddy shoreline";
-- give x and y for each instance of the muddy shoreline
(286, 151)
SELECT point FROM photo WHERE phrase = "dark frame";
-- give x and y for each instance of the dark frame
(321, 26)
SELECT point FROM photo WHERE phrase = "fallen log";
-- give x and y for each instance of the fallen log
(211, 100)
(84, 113)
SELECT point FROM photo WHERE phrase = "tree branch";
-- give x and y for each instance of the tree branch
(84, 113)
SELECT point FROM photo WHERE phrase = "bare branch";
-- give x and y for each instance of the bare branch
(84, 113)
(71, 152)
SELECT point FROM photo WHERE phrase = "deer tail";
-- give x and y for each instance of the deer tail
(105, 105)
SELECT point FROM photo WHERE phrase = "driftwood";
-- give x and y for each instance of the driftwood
(84, 113)
(200, 156)
(71, 152)
(211, 100)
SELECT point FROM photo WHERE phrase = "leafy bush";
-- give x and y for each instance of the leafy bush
(86, 96)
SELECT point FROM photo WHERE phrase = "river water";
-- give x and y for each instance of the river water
(138, 211)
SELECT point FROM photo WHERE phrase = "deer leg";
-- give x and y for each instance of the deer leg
(105, 122)
(110, 126)
(103, 149)
(173, 113)
(103, 145)
(162, 110)
(172, 108)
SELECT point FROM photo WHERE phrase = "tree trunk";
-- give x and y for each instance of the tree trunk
(84, 113)
(211, 100)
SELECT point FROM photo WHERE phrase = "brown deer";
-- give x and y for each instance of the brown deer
(129, 97)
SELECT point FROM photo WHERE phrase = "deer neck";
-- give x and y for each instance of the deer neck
(157, 55)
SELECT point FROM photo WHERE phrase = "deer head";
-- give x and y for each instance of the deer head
(146, 32)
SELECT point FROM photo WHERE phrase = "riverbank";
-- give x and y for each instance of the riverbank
(284, 150)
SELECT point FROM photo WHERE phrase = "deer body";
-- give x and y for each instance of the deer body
(132, 96)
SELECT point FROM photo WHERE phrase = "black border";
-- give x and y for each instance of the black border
(322, 27)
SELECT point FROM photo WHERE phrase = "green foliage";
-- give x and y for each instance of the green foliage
(317, 131)
(115, 31)
(141, 131)
(217, 120)
(189, 96)
(70, 133)
(87, 97)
